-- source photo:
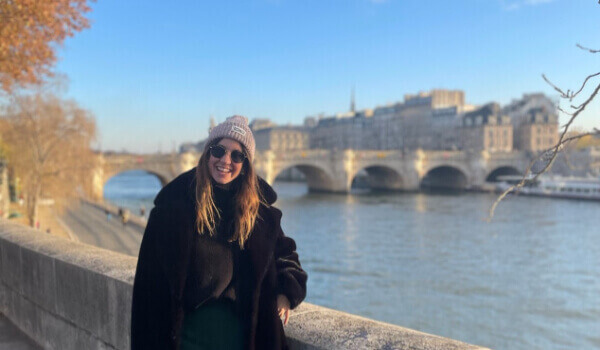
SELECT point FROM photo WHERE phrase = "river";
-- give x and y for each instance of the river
(530, 279)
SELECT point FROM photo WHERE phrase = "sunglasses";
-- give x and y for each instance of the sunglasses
(219, 151)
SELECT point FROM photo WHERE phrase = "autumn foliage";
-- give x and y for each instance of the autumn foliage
(30, 30)
(48, 147)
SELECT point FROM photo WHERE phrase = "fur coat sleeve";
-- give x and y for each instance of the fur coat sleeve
(291, 278)
(157, 311)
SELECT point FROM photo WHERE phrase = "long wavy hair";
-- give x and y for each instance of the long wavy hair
(247, 199)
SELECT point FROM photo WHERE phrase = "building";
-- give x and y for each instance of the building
(535, 120)
(437, 98)
(261, 123)
(431, 120)
(487, 129)
(538, 131)
(282, 138)
(343, 131)
(404, 125)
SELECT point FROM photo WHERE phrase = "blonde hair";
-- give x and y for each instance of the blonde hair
(247, 199)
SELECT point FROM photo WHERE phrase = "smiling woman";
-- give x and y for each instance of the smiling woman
(225, 161)
(215, 269)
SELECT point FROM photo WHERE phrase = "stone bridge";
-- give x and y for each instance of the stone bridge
(334, 170)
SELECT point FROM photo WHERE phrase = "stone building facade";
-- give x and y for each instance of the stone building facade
(538, 132)
(535, 120)
(487, 129)
(434, 120)
(281, 138)
(404, 125)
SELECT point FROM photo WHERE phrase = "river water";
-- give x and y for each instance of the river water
(530, 279)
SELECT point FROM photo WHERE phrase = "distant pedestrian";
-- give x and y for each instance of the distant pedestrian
(107, 213)
(125, 217)
(142, 211)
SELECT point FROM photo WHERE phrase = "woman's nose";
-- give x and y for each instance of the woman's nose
(226, 158)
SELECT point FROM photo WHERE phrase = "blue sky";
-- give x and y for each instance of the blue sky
(153, 72)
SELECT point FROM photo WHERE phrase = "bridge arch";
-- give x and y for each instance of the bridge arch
(445, 177)
(99, 190)
(163, 178)
(317, 178)
(492, 176)
(381, 177)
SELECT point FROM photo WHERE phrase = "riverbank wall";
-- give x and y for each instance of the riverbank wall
(69, 295)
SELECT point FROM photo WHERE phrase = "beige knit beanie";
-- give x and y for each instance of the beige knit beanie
(235, 128)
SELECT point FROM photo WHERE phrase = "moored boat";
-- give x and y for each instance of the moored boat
(554, 186)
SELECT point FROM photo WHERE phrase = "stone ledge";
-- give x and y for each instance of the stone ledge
(315, 327)
(88, 274)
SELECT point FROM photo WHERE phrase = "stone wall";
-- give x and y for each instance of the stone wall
(67, 295)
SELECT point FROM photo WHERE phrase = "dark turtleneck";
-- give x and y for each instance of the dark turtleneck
(215, 263)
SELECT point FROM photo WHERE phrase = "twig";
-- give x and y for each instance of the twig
(555, 149)
(588, 49)
(570, 95)
(562, 110)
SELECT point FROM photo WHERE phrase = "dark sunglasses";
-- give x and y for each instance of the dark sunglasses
(219, 151)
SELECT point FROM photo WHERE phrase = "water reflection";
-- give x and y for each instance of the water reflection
(527, 280)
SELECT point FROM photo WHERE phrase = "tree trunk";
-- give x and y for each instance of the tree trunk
(33, 198)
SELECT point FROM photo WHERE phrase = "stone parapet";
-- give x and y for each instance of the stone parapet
(69, 295)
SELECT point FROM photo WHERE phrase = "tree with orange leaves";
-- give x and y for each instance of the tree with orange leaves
(30, 31)
(47, 141)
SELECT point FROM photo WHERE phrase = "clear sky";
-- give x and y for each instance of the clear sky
(153, 72)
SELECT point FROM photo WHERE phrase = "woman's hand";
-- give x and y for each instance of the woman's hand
(283, 308)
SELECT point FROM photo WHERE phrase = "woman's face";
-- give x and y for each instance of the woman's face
(223, 170)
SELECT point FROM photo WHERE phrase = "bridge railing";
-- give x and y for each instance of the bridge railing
(67, 295)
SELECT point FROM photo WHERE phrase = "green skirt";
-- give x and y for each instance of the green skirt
(215, 325)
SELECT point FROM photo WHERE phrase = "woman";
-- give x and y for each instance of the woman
(215, 270)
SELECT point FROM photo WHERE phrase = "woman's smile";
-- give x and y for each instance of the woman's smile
(223, 170)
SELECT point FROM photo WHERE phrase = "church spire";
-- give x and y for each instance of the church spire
(352, 103)
(212, 123)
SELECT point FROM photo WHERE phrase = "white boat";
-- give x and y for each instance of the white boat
(554, 186)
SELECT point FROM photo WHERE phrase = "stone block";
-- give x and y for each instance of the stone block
(39, 281)
(9, 307)
(119, 310)
(28, 317)
(11, 265)
(81, 296)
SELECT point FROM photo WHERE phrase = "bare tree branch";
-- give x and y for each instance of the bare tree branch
(563, 111)
(588, 49)
(548, 155)
(570, 95)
